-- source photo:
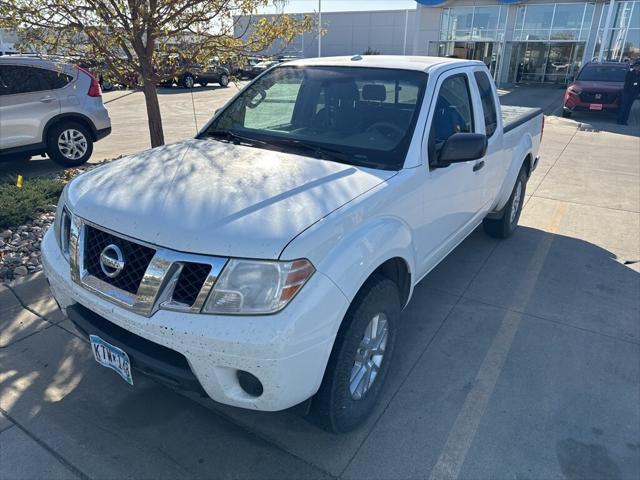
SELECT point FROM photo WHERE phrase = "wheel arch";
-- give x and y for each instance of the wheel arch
(381, 246)
(522, 155)
(397, 270)
(70, 117)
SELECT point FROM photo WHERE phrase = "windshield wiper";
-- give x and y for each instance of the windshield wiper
(332, 154)
(233, 137)
(324, 153)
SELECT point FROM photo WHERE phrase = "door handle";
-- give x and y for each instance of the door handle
(478, 166)
(47, 99)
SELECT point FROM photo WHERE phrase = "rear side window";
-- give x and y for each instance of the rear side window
(488, 102)
(53, 80)
(16, 79)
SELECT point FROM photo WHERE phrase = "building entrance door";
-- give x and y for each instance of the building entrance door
(545, 62)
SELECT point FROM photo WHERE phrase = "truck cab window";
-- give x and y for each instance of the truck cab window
(453, 114)
(488, 103)
(356, 115)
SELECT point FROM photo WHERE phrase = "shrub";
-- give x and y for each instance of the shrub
(19, 205)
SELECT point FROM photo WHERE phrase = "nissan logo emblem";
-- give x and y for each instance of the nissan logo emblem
(111, 260)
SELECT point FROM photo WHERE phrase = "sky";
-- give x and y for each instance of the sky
(303, 6)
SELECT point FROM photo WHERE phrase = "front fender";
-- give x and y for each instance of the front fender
(348, 260)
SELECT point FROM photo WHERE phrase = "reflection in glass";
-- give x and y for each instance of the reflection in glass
(622, 41)
(559, 22)
(471, 23)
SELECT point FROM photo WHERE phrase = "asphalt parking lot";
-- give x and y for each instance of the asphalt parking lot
(516, 359)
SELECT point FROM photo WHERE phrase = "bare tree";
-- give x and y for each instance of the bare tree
(146, 42)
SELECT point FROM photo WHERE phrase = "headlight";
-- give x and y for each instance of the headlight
(62, 226)
(257, 287)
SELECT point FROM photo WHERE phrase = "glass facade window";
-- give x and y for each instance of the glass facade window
(486, 23)
(622, 39)
(553, 21)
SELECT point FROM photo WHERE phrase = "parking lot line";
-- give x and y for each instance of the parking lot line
(466, 424)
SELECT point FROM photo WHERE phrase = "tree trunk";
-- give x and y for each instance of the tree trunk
(154, 118)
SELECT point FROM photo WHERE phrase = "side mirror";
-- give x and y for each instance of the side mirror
(462, 147)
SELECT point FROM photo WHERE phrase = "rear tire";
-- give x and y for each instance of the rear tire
(224, 80)
(69, 144)
(566, 113)
(355, 376)
(504, 226)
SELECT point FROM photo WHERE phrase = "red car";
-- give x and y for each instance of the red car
(597, 87)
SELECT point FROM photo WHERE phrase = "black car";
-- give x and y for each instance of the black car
(194, 73)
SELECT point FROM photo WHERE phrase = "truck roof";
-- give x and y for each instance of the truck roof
(409, 62)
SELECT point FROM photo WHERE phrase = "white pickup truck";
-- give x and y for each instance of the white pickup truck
(266, 262)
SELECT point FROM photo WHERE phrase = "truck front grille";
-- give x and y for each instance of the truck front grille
(190, 282)
(150, 277)
(136, 259)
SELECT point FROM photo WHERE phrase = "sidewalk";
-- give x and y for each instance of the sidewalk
(515, 359)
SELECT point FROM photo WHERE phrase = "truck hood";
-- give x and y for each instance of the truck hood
(214, 198)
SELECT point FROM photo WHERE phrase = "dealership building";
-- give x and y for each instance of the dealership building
(533, 41)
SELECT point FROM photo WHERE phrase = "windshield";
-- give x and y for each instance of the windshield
(355, 115)
(603, 74)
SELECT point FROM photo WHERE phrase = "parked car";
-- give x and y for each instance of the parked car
(100, 71)
(597, 87)
(276, 274)
(247, 67)
(195, 73)
(260, 67)
(50, 107)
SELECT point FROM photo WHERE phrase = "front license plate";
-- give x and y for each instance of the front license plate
(111, 357)
(595, 106)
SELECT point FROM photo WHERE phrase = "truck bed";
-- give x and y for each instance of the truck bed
(513, 116)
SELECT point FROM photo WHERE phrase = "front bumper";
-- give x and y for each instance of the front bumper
(573, 102)
(587, 107)
(287, 351)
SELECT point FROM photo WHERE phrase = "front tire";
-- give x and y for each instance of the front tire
(224, 80)
(504, 226)
(187, 81)
(360, 358)
(69, 144)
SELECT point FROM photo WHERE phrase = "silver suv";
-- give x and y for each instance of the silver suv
(50, 107)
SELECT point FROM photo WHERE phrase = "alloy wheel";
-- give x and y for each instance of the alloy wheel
(515, 205)
(369, 356)
(72, 144)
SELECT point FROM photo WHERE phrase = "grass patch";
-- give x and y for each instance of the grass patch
(19, 205)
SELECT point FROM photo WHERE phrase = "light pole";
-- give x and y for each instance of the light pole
(319, 28)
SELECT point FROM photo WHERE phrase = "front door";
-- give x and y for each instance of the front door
(454, 196)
